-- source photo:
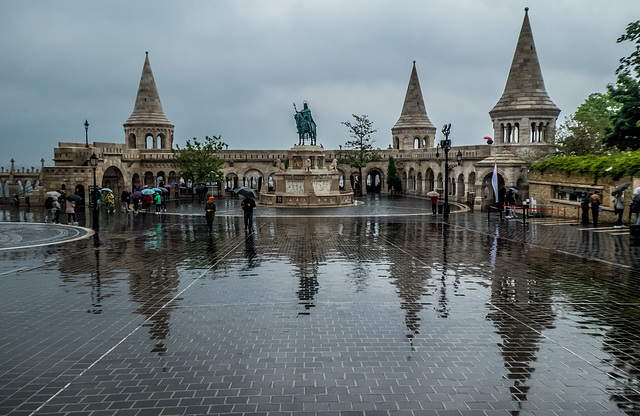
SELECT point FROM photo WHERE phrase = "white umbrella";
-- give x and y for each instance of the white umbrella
(53, 194)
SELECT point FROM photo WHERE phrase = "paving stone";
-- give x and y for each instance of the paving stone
(376, 309)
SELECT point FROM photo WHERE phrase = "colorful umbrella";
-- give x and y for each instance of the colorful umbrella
(148, 192)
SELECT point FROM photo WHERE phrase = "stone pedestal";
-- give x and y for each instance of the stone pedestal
(307, 183)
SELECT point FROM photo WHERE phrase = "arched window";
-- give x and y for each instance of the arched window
(416, 143)
(148, 141)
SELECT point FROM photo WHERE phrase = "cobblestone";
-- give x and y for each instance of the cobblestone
(378, 309)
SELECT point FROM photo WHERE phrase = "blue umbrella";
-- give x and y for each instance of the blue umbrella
(106, 190)
(156, 189)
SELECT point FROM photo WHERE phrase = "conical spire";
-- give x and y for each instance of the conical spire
(148, 109)
(414, 113)
(525, 88)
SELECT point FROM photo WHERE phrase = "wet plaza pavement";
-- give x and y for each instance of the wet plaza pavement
(376, 309)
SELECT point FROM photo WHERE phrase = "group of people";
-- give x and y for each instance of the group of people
(593, 202)
(248, 204)
(55, 207)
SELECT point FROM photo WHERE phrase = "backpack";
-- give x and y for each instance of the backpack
(48, 203)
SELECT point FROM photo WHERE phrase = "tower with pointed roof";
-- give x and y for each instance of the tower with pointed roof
(148, 127)
(524, 119)
(413, 130)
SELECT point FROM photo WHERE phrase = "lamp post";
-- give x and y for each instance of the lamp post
(445, 144)
(93, 161)
(86, 133)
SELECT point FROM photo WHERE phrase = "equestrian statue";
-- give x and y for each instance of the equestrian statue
(305, 124)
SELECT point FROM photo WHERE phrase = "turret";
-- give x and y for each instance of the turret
(148, 127)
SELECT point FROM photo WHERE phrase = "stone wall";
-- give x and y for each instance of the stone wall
(555, 191)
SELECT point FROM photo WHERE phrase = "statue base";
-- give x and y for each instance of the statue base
(308, 182)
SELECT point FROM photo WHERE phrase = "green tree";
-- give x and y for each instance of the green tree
(359, 151)
(583, 132)
(393, 178)
(625, 125)
(624, 132)
(198, 161)
(631, 63)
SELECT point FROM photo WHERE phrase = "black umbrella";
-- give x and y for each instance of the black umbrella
(246, 192)
(74, 198)
(619, 188)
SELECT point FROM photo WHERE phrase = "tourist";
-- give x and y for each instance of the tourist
(48, 205)
(510, 202)
(635, 204)
(56, 211)
(595, 207)
(147, 203)
(618, 205)
(584, 204)
(71, 213)
(210, 213)
(163, 202)
(125, 197)
(434, 201)
(158, 201)
(247, 206)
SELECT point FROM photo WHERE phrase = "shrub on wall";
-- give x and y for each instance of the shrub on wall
(614, 166)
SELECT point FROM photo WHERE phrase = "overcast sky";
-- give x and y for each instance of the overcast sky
(235, 68)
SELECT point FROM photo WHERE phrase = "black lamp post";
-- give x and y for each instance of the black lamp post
(86, 133)
(93, 161)
(445, 144)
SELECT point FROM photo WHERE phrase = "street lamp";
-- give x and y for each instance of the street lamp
(93, 161)
(445, 144)
(86, 133)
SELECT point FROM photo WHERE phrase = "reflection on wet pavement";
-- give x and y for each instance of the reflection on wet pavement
(350, 314)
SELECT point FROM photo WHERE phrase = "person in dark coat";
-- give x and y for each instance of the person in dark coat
(584, 204)
(210, 213)
(247, 206)
(595, 207)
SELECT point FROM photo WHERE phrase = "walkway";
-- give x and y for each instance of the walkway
(381, 309)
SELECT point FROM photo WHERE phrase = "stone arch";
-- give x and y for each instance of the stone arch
(253, 178)
(416, 142)
(460, 187)
(429, 178)
(161, 141)
(231, 181)
(396, 142)
(161, 179)
(522, 185)
(471, 183)
(439, 182)
(131, 141)
(404, 180)
(419, 182)
(425, 142)
(113, 179)
(488, 197)
(342, 181)
(411, 185)
(374, 180)
(135, 180)
(149, 179)
(149, 141)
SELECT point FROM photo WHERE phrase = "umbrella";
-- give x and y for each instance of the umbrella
(74, 198)
(145, 186)
(106, 190)
(53, 194)
(514, 190)
(246, 192)
(636, 191)
(156, 189)
(136, 195)
(167, 186)
(200, 188)
(432, 193)
(619, 189)
(148, 192)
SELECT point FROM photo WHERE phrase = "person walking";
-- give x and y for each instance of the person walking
(210, 213)
(71, 213)
(48, 205)
(584, 204)
(125, 198)
(247, 206)
(595, 207)
(158, 201)
(635, 204)
(56, 211)
(434, 201)
(618, 205)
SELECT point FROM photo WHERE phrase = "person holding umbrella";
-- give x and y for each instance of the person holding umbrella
(71, 209)
(595, 206)
(434, 195)
(618, 205)
(158, 201)
(125, 198)
(248, 204)
(210, 213)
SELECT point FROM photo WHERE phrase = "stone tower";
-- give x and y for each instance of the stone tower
(148, 127)
(524, 119)
(413, 130)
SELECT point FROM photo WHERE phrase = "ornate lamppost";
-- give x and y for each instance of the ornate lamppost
(93, 161)
(445, 144)
(86, 133)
